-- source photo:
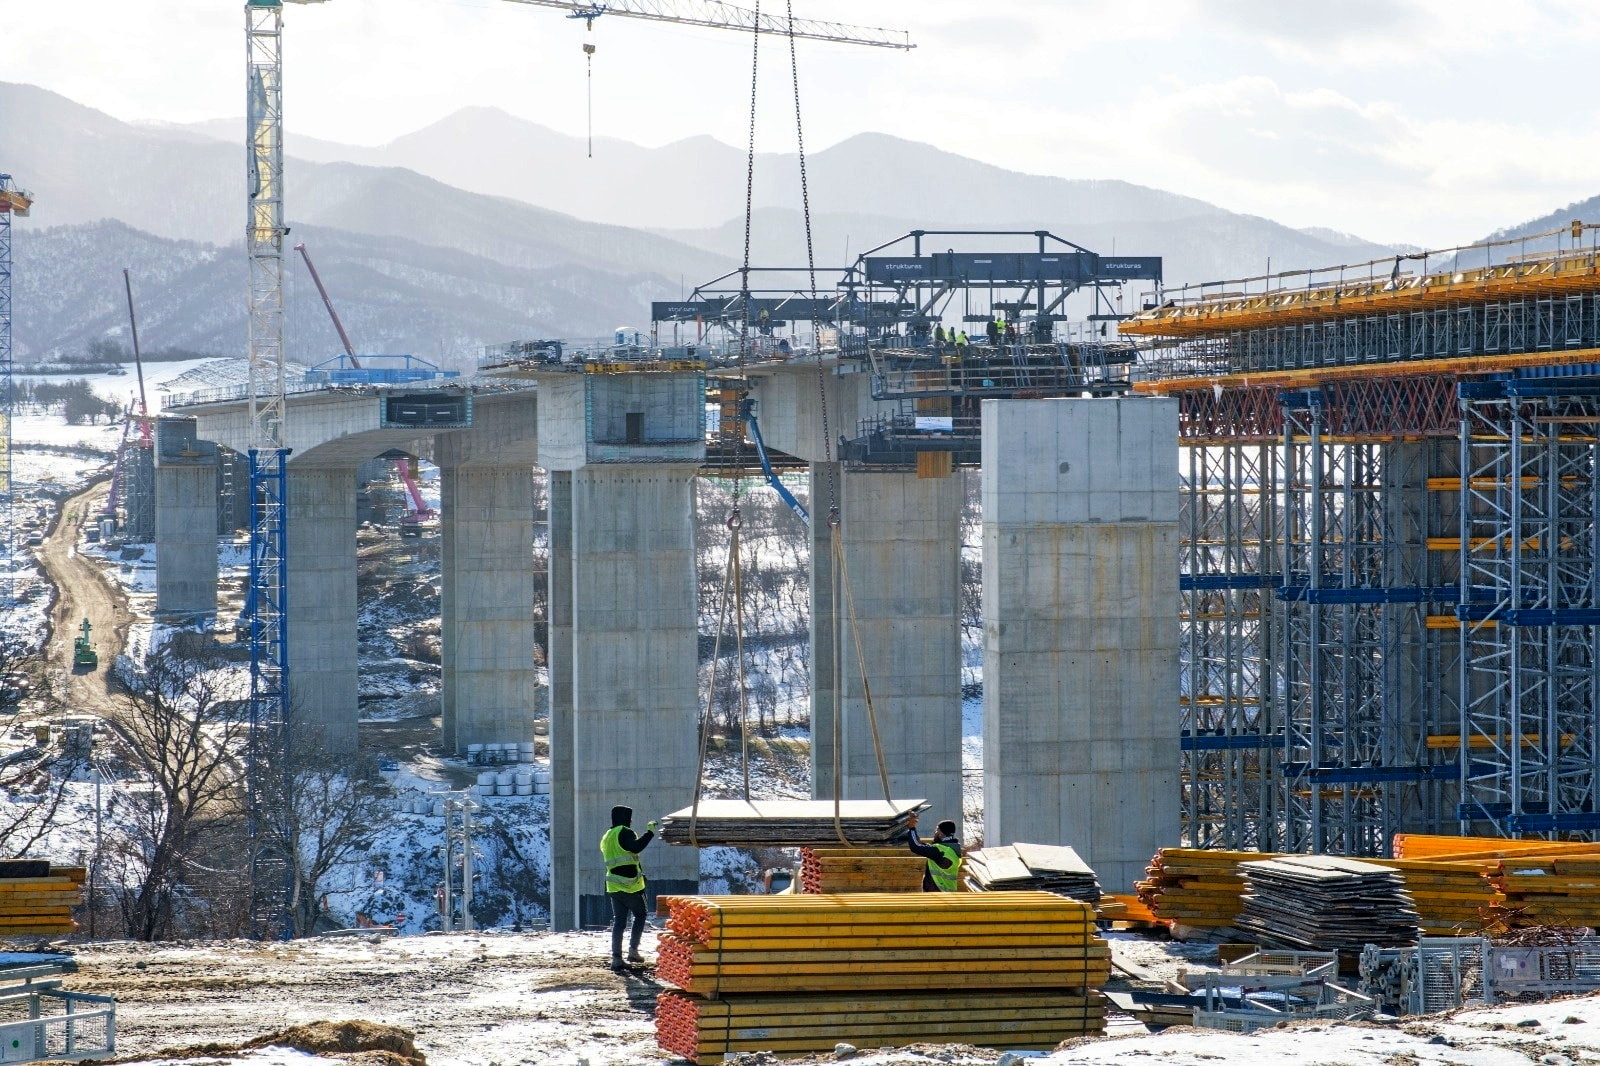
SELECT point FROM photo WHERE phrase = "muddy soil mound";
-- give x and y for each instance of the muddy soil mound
(367, 1043)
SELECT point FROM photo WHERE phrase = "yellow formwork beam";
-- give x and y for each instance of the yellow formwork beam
(1414, 368)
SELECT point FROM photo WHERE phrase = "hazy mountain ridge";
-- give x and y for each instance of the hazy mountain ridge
(416, 264)
(68, 292)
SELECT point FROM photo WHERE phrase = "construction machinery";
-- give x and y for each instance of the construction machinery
(84, 656)
(419, 514)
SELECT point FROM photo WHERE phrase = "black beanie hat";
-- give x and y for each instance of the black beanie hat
(621, 815)
(947, 827)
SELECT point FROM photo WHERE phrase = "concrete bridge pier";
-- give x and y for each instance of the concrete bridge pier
(185, 521)
(489, 682)
(623, 451)
(1080, 647)
(900, 538)
(634, 653)
(321, 590)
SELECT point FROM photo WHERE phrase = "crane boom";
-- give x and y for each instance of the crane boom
(716, 15)
(344, 338)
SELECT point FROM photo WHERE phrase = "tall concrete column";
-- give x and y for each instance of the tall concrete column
(901, 543)
(1080, 631)
(635, 637)
(563, 823)
(489, 681)
(321, 572)
(185, 522)
(823, 636)
(186, 541)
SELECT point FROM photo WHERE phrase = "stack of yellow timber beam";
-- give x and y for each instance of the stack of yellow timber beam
(770, 972)
(1460, 849)
(1552, 890)
(829, 870)
(1196, 887)
(36, 899)
(1452, 898)
(702, 1030)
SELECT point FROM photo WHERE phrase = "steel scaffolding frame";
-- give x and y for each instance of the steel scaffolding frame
(1230, 566)
(1356, 761)
(1529, 604)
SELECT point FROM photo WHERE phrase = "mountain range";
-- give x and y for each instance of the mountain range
(484, 227)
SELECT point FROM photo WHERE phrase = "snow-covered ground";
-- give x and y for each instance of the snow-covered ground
(501, 998)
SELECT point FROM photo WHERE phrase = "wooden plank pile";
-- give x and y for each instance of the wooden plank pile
(701, 1029)
(1027, 867)
(830, 870)
(1552, 890)
(36, 898)
(789, 823)
(805, 972)
(1196, 887)
(1452, 898)
(1326, 903)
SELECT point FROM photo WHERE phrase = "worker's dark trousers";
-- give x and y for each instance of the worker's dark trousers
(622, 905)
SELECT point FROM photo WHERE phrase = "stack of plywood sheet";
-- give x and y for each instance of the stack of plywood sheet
(36, 898)
(1022, 867)
(1326, 903)
(755, 965)
(1196, 887)
(829, 870)
(790, 823)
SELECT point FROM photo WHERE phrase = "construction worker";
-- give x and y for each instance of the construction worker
(938, 339)
(625, 882)
(995, 330)
(943, 854)
(961, 344)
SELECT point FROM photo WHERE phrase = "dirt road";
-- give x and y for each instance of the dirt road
(83, 590)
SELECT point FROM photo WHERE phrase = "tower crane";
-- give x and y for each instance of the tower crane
(13, 201)
(268, 611)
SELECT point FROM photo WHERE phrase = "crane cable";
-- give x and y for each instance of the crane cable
(733, 579)
(838, 574)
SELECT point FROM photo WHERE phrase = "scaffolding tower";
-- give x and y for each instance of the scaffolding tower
(1390, 528)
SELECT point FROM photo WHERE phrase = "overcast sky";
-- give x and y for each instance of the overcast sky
(1410, 121)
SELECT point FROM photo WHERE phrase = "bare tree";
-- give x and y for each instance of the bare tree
(320, 812)
(35, 775)
(184, 723)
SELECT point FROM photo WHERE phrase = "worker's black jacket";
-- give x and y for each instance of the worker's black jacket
(635, 844)
(928, 851)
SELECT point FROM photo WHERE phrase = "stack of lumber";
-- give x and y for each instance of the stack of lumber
(789, 823)
(1027, 867)
(36, 898)
(829, 870)
(1196, 887)
(1459, 849)
(775, 965)
(703, 1030)
(1131, 911)
(1326, 903)
(1552, 890)
(1452, 898)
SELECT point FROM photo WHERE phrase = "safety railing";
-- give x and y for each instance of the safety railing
(75, 1033)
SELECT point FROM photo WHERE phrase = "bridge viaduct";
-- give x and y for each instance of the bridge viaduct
(1080, 500)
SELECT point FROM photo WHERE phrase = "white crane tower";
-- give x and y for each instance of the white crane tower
(266, 607)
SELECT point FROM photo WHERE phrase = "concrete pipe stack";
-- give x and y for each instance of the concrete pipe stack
(799, 973)
(486, 783)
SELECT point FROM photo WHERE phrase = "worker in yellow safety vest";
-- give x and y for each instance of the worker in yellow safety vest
(620, 847)
(943, 854)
